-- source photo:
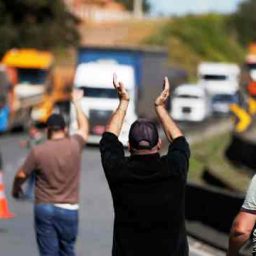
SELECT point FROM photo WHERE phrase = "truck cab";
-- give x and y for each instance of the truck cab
(221, 81)
(100, 97)
(27, 71)
(190, 102)
(30, 70)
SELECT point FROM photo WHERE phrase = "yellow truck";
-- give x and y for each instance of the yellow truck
(38, 87)
(27, 71)
(57, 96)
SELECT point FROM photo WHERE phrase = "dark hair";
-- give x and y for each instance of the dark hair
(56, 122)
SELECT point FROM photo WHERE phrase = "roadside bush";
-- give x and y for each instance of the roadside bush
(192, 39)
(38, 24)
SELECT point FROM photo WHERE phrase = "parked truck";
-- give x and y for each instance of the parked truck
(190, 102)
(142, 71)
(57, 96)
(25, 72)
(36, 87)
(221, 81)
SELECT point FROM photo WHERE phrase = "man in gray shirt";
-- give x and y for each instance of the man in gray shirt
(244, 222)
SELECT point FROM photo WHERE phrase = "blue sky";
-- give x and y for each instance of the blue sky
(180, 7)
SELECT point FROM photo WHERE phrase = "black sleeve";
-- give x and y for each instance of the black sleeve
(178, 157)
(112, 154)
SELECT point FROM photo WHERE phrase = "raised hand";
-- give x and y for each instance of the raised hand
(121, 91)
(77, 95)
(161, 99)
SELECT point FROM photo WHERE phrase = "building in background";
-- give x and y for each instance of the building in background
(98, 10)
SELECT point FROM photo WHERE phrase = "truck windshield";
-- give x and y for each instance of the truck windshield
(99, 92)
(32, 76)
(214, 77)
(251, 66)
(224, 98)
(187, 96)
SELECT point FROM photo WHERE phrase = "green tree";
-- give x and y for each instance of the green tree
(39, 24)
(244, 22)
(129, 4)
(195, 38)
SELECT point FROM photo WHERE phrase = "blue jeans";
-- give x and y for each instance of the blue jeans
(56, 230)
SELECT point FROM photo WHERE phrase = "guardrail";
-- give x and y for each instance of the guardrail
(210, 213)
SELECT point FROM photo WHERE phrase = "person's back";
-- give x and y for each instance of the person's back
(148, 190)
(56, 165)
(58, 162)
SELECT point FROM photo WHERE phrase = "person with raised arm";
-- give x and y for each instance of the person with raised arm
(148, 190)
(56, 165)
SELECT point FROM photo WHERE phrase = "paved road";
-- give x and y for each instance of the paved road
(96, 215)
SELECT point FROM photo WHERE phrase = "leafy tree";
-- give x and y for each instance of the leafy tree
(192, 39)
(40, 24)
(244, 21)
(129, 4)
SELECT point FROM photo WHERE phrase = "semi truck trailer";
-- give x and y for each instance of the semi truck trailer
(141, 69)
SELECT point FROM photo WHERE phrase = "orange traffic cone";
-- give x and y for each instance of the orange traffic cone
(4, 210)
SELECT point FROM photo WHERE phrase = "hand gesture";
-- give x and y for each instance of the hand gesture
(121, 91)
(77, 95)
(161, 99)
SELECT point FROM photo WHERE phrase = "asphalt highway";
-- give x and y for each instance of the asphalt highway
(96, 213)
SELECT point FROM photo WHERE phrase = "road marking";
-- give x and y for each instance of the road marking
(198, 252)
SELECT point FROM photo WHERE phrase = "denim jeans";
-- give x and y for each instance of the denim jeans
(56, 230)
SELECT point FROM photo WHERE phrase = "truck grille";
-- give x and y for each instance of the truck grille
(98, 120)
(186, 110)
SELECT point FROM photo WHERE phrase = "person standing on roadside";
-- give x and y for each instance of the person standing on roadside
(148, 190)
(56, 164)
(243, 230)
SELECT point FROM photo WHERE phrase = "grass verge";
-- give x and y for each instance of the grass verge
(211, 153)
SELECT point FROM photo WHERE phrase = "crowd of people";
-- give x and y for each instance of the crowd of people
(148, 190)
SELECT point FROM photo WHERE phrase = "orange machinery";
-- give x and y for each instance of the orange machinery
(57, 97)
(37, 84)
(27, 71)
(251, 68)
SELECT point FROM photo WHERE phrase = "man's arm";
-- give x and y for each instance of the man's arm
(23, 173)
(82, 120)
(170, 128)
(116, 122)
(240, 232)
(244, 222)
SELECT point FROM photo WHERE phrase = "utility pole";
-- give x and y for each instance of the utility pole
(138, 8)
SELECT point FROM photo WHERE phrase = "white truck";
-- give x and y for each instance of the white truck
(221, 81)
(100, 98)
(141, 69)
(190, 102)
